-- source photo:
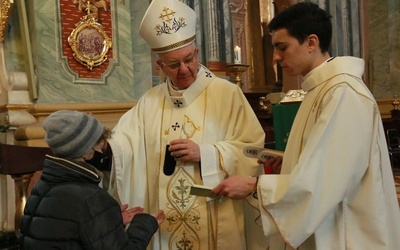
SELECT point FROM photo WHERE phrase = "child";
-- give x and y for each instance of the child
(67, 209)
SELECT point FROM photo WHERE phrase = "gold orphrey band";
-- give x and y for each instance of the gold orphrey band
(175, 45)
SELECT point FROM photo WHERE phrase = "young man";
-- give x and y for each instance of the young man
(67, 209)
(336, 188)
(205, 120)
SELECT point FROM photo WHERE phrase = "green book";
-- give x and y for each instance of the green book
(282, 117)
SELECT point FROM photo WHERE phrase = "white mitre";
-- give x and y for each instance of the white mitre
(168, 25)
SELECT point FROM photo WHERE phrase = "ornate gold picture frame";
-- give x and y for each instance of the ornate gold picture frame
(89, 42)
(5, 9)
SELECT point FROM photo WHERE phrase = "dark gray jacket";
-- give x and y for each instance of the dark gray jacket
(68, 210)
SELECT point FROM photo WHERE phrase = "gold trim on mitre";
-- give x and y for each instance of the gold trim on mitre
(175, 45)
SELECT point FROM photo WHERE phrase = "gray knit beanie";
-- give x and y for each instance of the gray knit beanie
(71, 134)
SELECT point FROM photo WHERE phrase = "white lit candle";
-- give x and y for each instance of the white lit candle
(276, 71)
(237, 51)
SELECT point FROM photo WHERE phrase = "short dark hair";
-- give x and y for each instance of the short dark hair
(302, 20)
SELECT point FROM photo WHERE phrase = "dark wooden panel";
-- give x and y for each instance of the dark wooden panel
(21, 159)
(264, 116)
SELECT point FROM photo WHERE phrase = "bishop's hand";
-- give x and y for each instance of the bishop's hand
(185, 150)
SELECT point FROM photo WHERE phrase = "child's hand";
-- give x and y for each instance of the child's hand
(272, 165)
(128, 214)
(159, 215)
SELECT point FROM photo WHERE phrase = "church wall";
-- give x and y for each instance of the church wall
(126, 78)
(129, 72)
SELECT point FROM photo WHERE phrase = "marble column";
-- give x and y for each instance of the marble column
(214, 39)
(345, 26)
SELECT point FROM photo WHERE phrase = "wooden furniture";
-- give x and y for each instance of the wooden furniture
(392, 132)
(264, 117)
(21, 162)
(390, 123)
(393, 141)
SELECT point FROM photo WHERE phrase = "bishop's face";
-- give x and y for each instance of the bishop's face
(293, 57)
(180, 65)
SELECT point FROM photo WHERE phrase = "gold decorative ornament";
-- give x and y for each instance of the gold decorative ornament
(91, 5)
(295, 95)
(89, 42)
(238, 70)
(395, 103)
(5, 9)
(166, 16)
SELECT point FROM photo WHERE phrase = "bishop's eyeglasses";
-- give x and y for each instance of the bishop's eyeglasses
(176, 65)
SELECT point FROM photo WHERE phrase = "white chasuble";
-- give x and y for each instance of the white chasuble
(214, 114)
(336, 188)
(186, 215)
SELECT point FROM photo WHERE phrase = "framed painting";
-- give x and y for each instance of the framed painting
(89, 43)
